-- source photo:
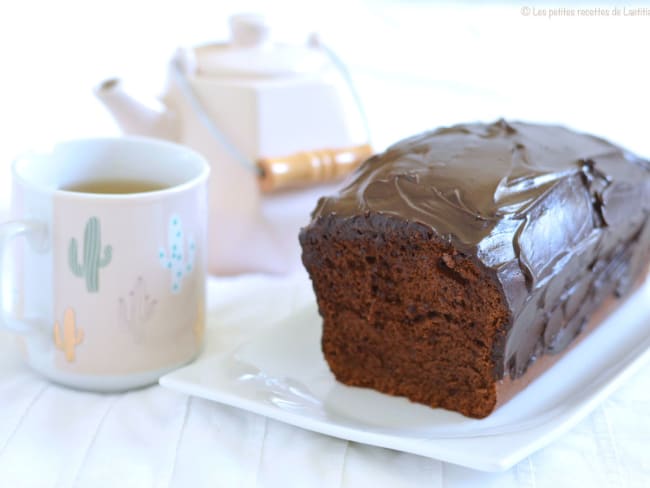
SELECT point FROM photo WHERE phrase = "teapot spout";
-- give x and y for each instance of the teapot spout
(133, 116)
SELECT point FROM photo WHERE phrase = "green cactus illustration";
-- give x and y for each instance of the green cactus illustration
(179, 261)
(70, 337)
(92, 255)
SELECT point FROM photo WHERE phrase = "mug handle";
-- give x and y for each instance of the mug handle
(36, 233)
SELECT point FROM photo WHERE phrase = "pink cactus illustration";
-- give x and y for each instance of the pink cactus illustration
(137, 311)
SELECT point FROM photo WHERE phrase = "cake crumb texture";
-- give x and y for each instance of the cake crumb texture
(404, 313)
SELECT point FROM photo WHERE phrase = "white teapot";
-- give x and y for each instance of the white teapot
(267, 116)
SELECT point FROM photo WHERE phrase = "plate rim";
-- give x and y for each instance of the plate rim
(442, 448)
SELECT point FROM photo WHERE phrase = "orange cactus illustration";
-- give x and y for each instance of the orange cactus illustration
(71, 336)
(199, 325)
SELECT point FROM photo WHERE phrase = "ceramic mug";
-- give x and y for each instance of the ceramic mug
(107, 290)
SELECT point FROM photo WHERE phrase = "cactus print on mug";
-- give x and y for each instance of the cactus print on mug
(179, 260)
(66, 339)
(199, 324)
(134, 313)
(92, 254)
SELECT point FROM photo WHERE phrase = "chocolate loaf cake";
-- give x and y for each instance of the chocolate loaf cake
(453, 266)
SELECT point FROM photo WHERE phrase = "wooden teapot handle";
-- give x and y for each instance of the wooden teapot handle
(310, 167)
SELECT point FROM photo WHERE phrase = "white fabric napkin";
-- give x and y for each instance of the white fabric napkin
(55, 437)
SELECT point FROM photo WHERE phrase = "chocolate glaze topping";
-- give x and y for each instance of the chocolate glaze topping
(552, 214)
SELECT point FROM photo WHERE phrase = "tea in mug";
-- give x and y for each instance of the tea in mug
(115, 187)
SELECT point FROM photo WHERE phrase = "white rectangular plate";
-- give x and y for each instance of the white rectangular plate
(279, 372)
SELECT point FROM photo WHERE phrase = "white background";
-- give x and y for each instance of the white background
(417, 65)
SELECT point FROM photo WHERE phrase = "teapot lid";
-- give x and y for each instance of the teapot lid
(251, 54)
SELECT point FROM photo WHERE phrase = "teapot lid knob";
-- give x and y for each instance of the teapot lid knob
(248, 30)
(252, 53)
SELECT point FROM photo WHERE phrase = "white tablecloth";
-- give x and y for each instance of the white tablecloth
(154, 437)
(417, 65)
